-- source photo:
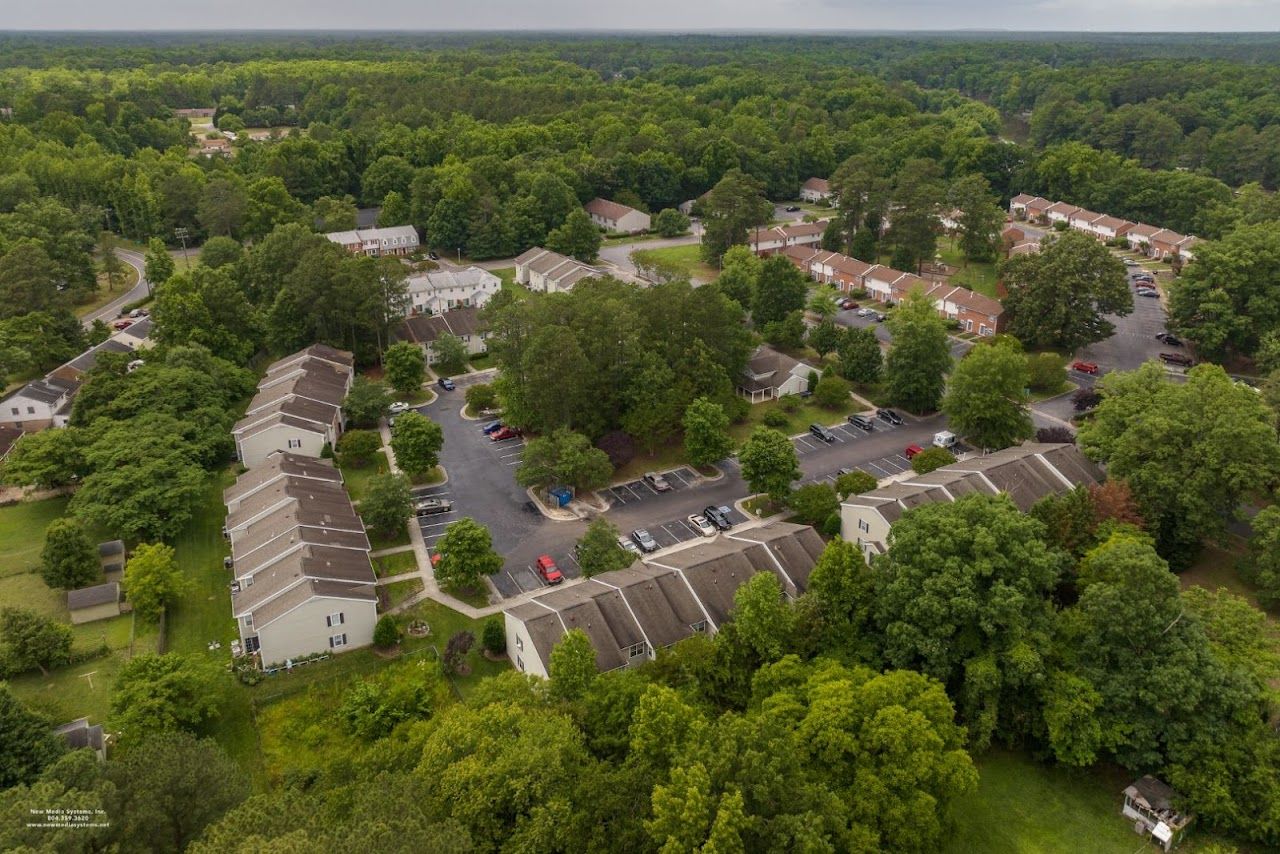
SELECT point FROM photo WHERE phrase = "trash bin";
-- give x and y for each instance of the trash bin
(561, 495)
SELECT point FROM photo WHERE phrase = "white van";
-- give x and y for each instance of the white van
(945, 439)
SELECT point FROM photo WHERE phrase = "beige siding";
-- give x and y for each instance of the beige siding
(254, 450)
(97, 612)
(304, 630)
(862, 525)
(520, 649)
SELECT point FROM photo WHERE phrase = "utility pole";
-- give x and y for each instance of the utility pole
(182, 234)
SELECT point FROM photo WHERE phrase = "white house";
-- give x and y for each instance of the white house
(1139, 237)
(771, 374)
(545, 271)
(39, 404)
(768, 241)
(300, 559)
(442, 290)
(1025, 473)
(463, 323)
(616, 217)
(298, 406)
(631, 614)
(1060, 212)
(815, 190)
(396, 240)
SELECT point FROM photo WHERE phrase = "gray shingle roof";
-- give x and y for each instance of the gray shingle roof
(88, 597)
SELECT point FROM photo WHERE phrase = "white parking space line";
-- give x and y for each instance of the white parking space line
(676, 475)
(877, 468)
(629, 488)
(513, 580)
(435, 524)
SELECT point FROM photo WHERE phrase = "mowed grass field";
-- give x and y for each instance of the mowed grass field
(22, 528)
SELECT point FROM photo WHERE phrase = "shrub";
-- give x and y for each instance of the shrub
(620, 447)
(814, 503)
(1047, 371)
(481, 396)
(386, 633)
(831, 527)
(831, 392)
(1085, 398)
(1055, 434)
(455, 651)
(775, 418)
(790, 403)
(358, 447)
(930, 459)
(494, 636)
(855, 483)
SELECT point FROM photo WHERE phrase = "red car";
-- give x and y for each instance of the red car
(503, 434)
(123, 323)
(848, 304)
(1085, 367)
(548, 571)
(911, 450)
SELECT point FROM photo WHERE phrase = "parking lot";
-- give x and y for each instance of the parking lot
(680, 531)
(844, 433)
(638, 490)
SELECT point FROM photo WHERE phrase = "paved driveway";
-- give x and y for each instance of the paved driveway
(851, 320)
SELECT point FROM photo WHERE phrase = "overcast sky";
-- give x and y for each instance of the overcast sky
(679, 15)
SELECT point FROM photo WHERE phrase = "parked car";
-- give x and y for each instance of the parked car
(433, 256)
(911, 450)
(1129, 262)
(700, 524)
(446, 384)
(890, 416)
(391, 422)
(432, 506)
(503, 433)
(1176, 359)
(628, 545)
(848, 304)
(820, 432)
(792, 208)
(944, 439)
(398, 407)
(491, 428)
(1085, 367)
(1169, 338)
(656, 482)
(862, 422)
(866, 312)
(547, 569)
(879, 317)
(138, 312)
(718, 516)
(1147, 292)
(122, 323)
(644, 540)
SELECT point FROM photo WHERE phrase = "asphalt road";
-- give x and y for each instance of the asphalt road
(851, 320)
(111, 310)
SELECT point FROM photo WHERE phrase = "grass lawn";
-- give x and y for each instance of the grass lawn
(666, 457)
(977, 276)
(203, 614)
(357, 479)
(22, 528)
(797, 422)
(398, 591)
(105, 294)
(28, 590)
(687, 259)
(379, 542)
(507, 275)
(396, 564)
(1024, 806)
(761, 505)
(1216, 567)
(476, 597)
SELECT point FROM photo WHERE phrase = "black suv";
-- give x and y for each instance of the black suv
(862, 422)
(889, 415)
(820, 432)
(718, 516)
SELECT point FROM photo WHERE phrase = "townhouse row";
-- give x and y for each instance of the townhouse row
(1161, 244)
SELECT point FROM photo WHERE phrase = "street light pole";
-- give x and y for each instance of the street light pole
(182, 234)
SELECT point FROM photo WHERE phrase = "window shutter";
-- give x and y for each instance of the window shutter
(328, 621)
(330, 643)
(341, 618)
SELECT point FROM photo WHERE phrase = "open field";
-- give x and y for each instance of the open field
(22, 528)
(203, 614)
(797, 422)
(977, 276)
(686, 259)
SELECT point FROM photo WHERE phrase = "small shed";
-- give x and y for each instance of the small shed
(111, 554)
(99, 602)
(1149, 802)
(79, 735)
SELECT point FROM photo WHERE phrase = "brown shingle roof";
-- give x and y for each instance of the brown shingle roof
(277, 465)
(608, 210)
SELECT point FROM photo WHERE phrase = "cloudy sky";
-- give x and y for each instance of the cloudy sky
(679, 15)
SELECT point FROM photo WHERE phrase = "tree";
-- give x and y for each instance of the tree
(30, 641)
(386, 633)
(861, 360)
(598, 550)
(814, 503)
(780, 290)
(27, 742)
(987, 398)
(920, 355)
(577, 236)
(1058, 297)
(1047, 372)
(152, 579)
(387, 503)
(336, 214)
(480, 397)
(706, 433)
(735, 204)
(855, 483)
(223, 207)
(1189, 451)
(572, 666)
(405, 368)
(112, 267)
(157, 264)
(1085, 398)
(450, 354)
(395, 210)
(494, 636)
(826, 337)
(964, 598)
(69, 559)
(1261, 566)
(455, 651)
(914, 229)
(563, 457)
(366, 402)
(739, 272)
(653, 403)
(669, 222)
(220, 252)
(769, 463)
(831, 392)
(169, 786)
(357, 448)
(980, 218)
(842, 586)
(787, 333)
(931, 459)
(466, 553)
(416, 441)
(161, 693)
(1056, 435)
(824, 301)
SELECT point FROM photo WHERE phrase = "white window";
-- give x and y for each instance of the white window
(334, 619)
(519, 643)
(984, 330)
(295, 443)
(638, 649)
(700, 626)
(252, 644)
(337, 640)
(520, 663)
(248, 581)
(248, 621)
(863, 525)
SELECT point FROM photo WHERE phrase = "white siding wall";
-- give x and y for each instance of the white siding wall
(254, 450)
(520, 649)
(862, 525)
(304, 630)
